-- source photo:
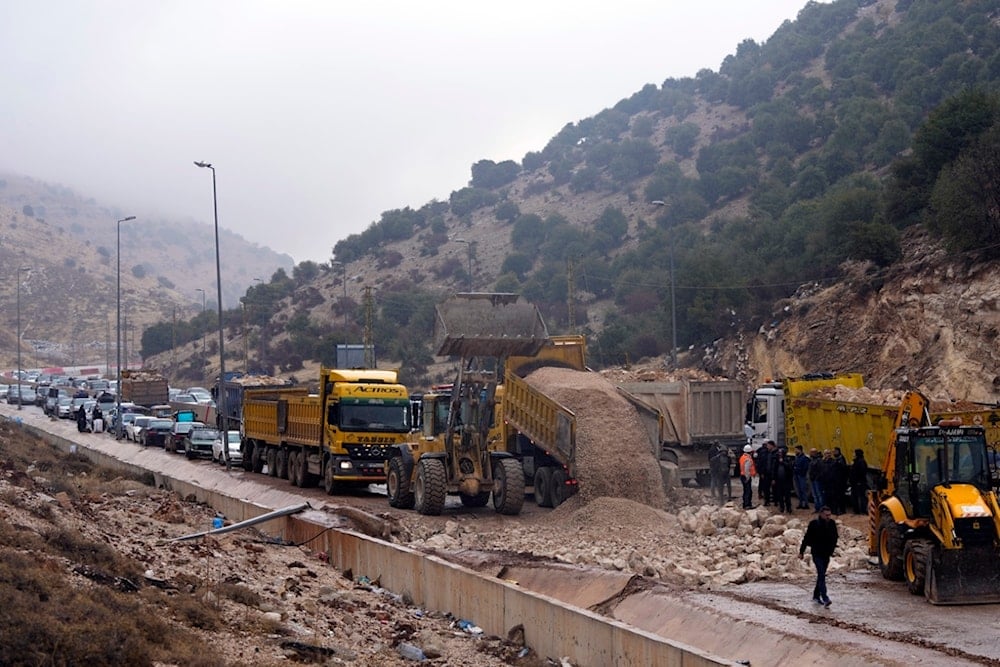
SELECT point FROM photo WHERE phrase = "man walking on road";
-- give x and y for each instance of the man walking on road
(821, 538)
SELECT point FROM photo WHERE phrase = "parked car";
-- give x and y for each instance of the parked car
(180, 430)
(64, 409)
(27, 395)
(127, 418)
(41, 393)
(235, 455)
(52, 399)
(185, 398)
(4, 389)
(200, 394)
(133, 431)
(157, 432)
(199, 442)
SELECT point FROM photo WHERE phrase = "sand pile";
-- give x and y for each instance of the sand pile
(613, 453)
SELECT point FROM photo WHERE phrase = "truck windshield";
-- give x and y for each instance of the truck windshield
(391, 416)
(944, 459)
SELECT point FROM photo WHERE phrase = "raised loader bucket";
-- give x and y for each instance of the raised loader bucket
(963, 576)
(488, 325)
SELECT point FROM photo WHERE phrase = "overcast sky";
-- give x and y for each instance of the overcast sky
(318, 115)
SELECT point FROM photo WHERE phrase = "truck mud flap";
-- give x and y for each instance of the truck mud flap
(963, 576)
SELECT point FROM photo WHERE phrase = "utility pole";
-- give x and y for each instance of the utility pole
(570, 297)
(369, 341)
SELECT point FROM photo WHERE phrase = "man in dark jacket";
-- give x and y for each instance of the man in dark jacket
(859, 483)
(841, 477)
(764, 459)
(781, 476)
(821, 538)
(800, 470)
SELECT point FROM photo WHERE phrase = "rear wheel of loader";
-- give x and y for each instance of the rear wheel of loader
(430, 488)
(890, 548)
(397, 484)
(560, 492)
(508, 486)
(543, 486)
(916, 555)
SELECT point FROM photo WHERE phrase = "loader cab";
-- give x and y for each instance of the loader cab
(932, 456)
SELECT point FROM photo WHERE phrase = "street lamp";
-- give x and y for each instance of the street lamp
(468, 245)
(20, 269)
(220, 405)
(203, 351)
(118, 334)
(673, 302)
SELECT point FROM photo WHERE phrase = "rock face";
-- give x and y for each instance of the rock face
(929, 322)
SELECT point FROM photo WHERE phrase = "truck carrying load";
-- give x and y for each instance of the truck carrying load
(339, 435)
(233, 388)
(145, 387)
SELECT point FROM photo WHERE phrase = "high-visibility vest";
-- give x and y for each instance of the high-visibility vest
(753, 466)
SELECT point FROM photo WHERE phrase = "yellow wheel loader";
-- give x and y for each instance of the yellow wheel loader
(454, 454)
(934, 521)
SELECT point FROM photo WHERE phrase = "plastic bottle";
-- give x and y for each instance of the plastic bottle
(411, 652)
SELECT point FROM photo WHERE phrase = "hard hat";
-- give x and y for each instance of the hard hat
(747, 448)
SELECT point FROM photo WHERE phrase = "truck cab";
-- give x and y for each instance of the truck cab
(766, 415)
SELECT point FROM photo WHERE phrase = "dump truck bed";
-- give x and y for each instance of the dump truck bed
(549, 425)
(279, 416)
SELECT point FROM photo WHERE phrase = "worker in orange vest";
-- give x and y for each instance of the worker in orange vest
(748, 470)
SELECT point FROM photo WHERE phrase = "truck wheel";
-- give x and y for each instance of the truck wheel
(430, 489)
(257, 458)
(282, 463)
(308, 479)
(543, 486)
(397, 484)
(916, 554)
(329, 484)
(272, 462)
(890, 548)
(508, 486)
(560, 492)
(294, 473)
(246, 451)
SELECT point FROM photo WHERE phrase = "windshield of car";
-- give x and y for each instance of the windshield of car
(161, 424)
(142, 421)
(204, 434)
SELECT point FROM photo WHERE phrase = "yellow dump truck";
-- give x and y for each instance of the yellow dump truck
(791, 413)
(339, 435)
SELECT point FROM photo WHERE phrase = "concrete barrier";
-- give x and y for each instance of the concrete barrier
(551, 627)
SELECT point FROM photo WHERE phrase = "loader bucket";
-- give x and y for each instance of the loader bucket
(963, 576)
(488, 325)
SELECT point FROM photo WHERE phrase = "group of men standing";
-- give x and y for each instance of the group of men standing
(824, 478)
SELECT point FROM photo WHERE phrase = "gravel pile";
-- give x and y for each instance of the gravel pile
(613, 453)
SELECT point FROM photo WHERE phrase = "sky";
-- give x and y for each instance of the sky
(318, 115)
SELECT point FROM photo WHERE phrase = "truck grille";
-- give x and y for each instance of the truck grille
(367, 452)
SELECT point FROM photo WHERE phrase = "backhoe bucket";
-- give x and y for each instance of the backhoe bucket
(963, 576)
(488, 325)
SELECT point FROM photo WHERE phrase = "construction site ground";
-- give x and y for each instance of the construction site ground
(765, 621)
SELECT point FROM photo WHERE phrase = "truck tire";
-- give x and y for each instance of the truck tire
(543, 486)
(329, 484)
(294, 473)
(282, 463)
(272, 462)
(309, 479)
(916, 555)
(890, 548)
(247, 464)
(257, 458)
(431, 488)
(560, 492)
(508, 486)
(397, 484)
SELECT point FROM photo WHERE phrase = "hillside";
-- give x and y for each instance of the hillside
(69, 304)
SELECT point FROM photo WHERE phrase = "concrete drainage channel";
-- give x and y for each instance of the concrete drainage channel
(550, 602)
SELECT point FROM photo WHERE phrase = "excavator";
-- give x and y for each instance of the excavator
(455, 454)
(934, 521)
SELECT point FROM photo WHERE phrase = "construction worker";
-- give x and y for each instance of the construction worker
(748, 470)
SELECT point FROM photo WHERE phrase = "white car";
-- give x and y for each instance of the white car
(133, 431)
(235, 455)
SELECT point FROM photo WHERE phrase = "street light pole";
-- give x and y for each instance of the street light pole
(220, 399)
(203, 350)
(20, 269)
(118, 333)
